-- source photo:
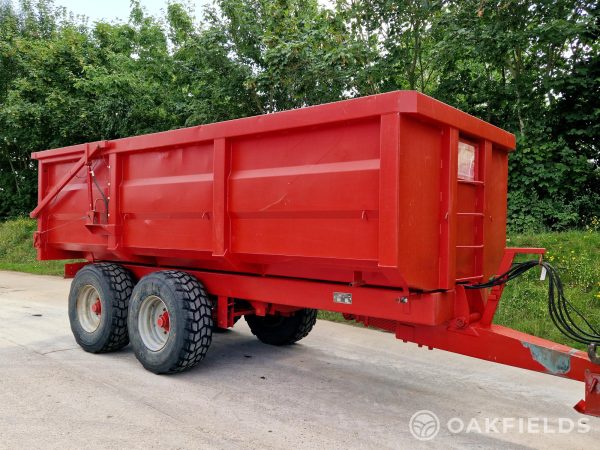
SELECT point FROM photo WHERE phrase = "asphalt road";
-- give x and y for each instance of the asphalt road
(341, 387)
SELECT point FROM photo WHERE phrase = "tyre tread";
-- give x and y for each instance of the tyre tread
(198, 326)
(121, 285)
(297, 327)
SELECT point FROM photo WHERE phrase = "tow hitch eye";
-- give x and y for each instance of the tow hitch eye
(97, 307)
(163, 321)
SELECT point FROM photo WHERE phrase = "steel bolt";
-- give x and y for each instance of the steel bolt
(97, 307)
(163, 321)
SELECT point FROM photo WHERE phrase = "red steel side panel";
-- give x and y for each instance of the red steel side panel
(165, 195)
(420, 202)
(306, 193)
(496, 209)
(364, 189)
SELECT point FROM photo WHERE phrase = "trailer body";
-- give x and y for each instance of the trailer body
(380, 207)
(365, 190)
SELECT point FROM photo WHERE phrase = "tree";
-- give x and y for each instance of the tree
(516, 64)
(531, 67)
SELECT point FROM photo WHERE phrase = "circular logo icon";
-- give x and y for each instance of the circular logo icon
(424, 425)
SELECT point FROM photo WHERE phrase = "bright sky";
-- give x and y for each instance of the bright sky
(118, 9)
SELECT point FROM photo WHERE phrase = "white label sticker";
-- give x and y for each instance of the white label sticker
(466, 161)
(342, 297)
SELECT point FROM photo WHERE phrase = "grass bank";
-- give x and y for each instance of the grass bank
(17, 252)
(524, 305)
(576, 256)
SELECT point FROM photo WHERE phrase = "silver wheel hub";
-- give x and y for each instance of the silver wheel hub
(154, 323)
(89, 308)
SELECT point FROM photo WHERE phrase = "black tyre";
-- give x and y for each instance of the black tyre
(170, 321)
(280, 330)
(98, 306)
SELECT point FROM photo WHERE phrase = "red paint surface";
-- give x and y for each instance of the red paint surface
(285, 211)
(366, 185)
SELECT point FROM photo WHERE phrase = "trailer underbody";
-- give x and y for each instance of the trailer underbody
(470, 332)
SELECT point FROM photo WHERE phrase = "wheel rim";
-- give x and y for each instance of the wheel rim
(154, 323)
(89, 308)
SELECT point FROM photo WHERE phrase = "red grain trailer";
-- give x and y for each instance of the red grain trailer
(384, 208)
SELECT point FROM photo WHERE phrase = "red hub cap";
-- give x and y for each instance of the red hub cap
(97, 307)
(163, 321)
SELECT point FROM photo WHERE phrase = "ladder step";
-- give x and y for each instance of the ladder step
(471, 182)
(475, 214)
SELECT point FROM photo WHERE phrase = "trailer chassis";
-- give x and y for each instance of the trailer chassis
(411, 316)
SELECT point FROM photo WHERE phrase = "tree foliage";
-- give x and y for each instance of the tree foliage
(531, 67)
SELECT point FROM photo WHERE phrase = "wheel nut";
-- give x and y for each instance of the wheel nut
(97, 307)
(163, 321)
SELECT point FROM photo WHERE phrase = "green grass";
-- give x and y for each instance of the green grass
(17, 252)
(524, 305)
(576, 256)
